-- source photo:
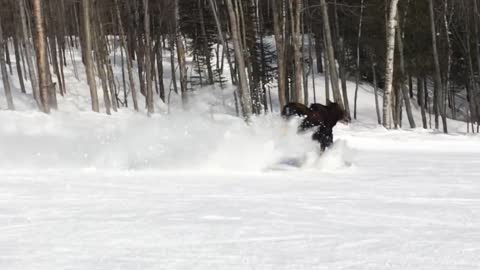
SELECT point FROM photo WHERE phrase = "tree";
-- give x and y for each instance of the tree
(148, 54)
(279, 29)
(297, 37)
(88, 55)
(403, 78)
(41, 52)
(439, 89)
(243, 88)
(3, 68)
(387, 96)
(331, 55)
(29, 53)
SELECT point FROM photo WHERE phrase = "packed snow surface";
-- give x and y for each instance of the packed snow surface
(87, 191)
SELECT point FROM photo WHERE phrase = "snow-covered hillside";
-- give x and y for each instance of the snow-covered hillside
(200, 189)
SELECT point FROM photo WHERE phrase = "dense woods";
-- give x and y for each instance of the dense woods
(423, 53)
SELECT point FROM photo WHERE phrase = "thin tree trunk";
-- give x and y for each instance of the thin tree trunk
(100, 54)
(357, 73)
(297, 49)
(279, 30)
(327, 72)
(403, 78)
(128, 56)
(375, 89)
(310, 58)
(7, 55)
(18, 62)
(476, 98)
(181, 59)
(148, 54)
(387, 97)
(341, 63)
(438, 79)
(222, 40)
(29, 54)
(206, 49)
(3, 67)
(159, 52)
(331, 55)
(473, 89)
(243, 89)
(420, 90)
(318, 49)
(88, 55)
(41, 52)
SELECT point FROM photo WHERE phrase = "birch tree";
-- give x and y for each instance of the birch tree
(41, 52)
(88, 45)
(279, 30)
(390, 58)
(243, 88)
(331, 54)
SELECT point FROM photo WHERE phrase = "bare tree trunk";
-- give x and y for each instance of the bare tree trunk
(326, 71)
(159, 52)
(18, 62)
(243, 89)
(341, 63)
(375, 89)
(438, 78)
(421, 94)
(357, 73)
(476, 98)
(318, 49)
(29, 53)
(42, 60)
(331, 55)
(3, 67)
(148, 54)
(181, 59)
(473, 89)
(128, 56)
(222, 40)
(279, 29)
(403, 78)
(310, 58)
(449, 60)
(297, 49)
(206, 48)
(7, 59)
(88, 55)
(387, 97)
(100, 54)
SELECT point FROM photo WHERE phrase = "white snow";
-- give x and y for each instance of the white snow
(200, 189)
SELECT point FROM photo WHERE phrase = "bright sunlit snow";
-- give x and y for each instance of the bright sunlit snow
(202, 190)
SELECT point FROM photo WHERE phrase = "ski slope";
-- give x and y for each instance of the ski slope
(200, 189)
(392, 209)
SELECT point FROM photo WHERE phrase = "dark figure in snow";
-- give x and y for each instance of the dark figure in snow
(319, 117)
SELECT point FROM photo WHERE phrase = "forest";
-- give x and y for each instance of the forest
(422, 53)
(151, 134)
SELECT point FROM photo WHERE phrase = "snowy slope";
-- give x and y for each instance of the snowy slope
(390, 210)
(202, 190)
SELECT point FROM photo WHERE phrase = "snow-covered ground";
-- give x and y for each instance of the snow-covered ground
(390, 209)
(202, 190)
